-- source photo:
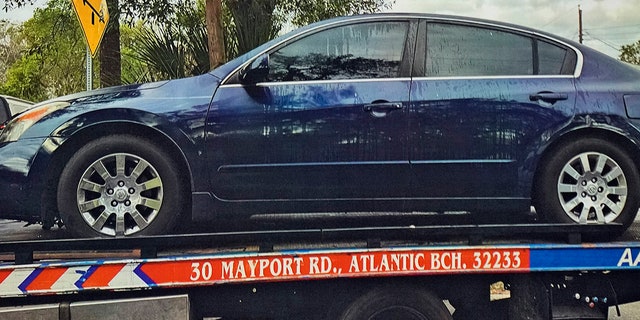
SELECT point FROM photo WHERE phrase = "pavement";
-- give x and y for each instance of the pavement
(11, 230)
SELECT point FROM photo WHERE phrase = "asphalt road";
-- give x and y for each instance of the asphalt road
(15, 230)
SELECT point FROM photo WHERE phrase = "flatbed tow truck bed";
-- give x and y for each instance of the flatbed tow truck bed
(334, 273)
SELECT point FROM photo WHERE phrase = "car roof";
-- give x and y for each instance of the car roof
(450, 18)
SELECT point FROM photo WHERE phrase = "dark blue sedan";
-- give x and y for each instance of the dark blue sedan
(389, 112)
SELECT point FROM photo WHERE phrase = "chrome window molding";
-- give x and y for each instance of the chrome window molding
(311, 82)
(493, 77)
(405, 79)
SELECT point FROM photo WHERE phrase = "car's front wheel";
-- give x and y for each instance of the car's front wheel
(119, 185)
(588, 181)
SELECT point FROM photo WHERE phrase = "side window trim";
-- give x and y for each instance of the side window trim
(536, 56)
(407, 64)
(420, 59)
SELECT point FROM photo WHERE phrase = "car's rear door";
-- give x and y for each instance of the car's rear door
(329, 124)
(481, 99)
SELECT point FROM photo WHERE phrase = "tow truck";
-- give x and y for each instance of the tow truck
(397, 272)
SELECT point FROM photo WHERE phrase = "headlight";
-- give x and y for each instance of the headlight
(19, 124)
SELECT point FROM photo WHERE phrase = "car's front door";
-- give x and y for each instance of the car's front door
(484, 99)
(330, 122)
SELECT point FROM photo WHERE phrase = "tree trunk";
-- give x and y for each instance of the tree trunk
(110, 63)
(254, 22)
(215, 36)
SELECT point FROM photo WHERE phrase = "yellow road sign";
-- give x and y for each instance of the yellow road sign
(93, 16)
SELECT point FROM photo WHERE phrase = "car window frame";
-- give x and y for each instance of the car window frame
(572, 65)
(406, 65)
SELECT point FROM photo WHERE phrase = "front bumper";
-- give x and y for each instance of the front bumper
(20, 187)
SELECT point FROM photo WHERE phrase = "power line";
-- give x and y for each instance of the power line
(619, 36)
(612, 46)
(562, 14)
(617, 27)
(574, 35)
(625, 40)
(637, 33)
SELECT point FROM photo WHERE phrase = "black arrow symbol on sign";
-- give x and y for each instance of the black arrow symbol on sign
(99, 13)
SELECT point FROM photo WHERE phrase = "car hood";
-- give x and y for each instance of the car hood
(167, 101)
(104, 93)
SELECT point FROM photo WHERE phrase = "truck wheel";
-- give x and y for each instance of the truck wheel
(119, 185)
(395, 303)
(588, 181)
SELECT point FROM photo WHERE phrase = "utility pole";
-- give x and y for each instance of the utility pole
(579, 24)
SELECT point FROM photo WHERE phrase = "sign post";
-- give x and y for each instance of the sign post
(94, 17)
(89, 68)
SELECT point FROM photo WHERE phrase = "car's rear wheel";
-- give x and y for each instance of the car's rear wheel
(590, 181)
(119, 185)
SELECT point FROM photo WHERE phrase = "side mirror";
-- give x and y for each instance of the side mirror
(5, 112)
(257, 71)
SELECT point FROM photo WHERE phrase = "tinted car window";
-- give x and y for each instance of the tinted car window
(551, 57)
(454, 50)
(362, 51)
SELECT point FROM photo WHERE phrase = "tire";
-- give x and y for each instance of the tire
(118, 186)
(605, 192)
(397, 303)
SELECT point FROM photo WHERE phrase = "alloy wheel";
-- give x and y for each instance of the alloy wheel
(592, 188)
(119, 194)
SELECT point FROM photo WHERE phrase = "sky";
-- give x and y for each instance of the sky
(607, 24)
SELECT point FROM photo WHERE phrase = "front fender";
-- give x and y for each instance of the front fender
(185, 133)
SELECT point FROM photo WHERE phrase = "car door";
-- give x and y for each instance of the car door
(329, 122)
(482, 100)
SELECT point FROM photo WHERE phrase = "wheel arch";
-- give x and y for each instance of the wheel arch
(80, 137)
(621, 140)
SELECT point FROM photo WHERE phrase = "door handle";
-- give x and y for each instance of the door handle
(382, 106)
(549, 97)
